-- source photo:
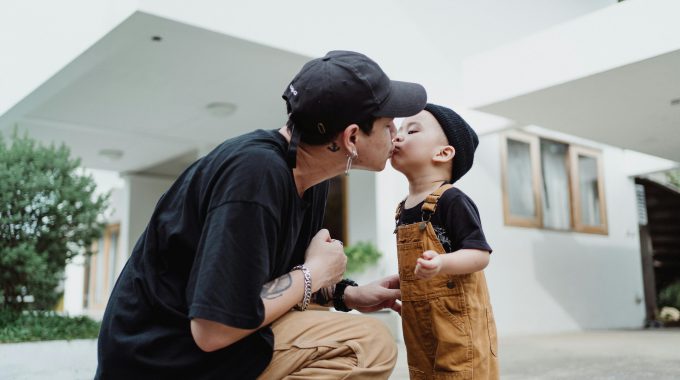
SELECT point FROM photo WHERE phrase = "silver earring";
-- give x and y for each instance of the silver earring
(349, 162)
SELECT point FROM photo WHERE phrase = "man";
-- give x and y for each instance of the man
(235, 244)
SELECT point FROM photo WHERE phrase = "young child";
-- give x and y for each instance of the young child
(447, 319)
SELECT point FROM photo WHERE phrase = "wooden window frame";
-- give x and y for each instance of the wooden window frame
(578, 225)
(573, 152)
(534, 151)
(91, 271)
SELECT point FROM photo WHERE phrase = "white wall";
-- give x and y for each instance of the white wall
(391, 188)
(361, 213)
(140, 196)
(546, 281)
(74, 284)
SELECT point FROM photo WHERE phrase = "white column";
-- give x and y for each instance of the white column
(140, 195)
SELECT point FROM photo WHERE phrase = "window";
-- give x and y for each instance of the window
(551, 184)
(520, 177)
(101, 269)
(588, 191)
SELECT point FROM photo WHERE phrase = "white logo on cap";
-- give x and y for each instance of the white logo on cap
(292, 89)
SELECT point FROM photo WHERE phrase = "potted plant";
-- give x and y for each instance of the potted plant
(669, 303)
(361, 255)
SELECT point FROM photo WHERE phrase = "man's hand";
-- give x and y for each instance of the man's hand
(428, 265)
(325, 258)
(375, 296)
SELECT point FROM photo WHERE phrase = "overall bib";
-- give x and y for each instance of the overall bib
(448, 324)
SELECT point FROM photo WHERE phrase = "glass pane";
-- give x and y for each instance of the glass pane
(588, 186)
(99, 272)
(113, 258)
(520, 180)
(555, 186)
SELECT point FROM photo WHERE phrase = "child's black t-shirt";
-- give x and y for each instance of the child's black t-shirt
(455, 221)
(230, 223)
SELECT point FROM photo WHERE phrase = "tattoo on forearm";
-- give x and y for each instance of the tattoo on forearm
(324, 296)
(274, 289)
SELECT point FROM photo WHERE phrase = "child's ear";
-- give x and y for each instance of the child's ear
(445, 153)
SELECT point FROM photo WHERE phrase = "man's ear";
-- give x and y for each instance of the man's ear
(348, 138)
(445, 153)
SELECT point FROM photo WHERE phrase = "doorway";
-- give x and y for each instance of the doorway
(659, 223)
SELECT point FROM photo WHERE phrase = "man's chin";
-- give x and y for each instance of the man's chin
(382, 167)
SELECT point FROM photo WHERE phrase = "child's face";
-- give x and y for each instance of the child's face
(418, 141)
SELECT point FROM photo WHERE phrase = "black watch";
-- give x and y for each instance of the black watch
(339, 294)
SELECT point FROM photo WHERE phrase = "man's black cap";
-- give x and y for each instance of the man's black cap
(344, 88)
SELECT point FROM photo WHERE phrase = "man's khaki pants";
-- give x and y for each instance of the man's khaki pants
(318, 344)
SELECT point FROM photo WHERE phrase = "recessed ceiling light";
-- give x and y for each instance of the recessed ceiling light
(221, 109)
(675, 102)
(111, 154)
(157, 38)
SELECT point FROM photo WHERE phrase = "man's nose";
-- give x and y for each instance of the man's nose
(393, 132)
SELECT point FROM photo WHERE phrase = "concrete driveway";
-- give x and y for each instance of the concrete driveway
(611, 354)
(619, 354)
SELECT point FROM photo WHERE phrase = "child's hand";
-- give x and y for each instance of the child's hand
(428, 265)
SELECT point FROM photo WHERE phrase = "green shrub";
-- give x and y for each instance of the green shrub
(30, 326)
(360, 255)
(670, 296)
(48, 215)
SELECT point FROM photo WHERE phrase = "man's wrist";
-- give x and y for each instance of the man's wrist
(307, 295)
(350, 296)
(339, 294)
(324, 296)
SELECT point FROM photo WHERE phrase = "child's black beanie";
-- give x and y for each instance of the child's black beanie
(460, 135)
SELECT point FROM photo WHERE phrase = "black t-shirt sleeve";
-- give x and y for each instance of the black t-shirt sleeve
(463, 224)
(238, 242)
(232, 264)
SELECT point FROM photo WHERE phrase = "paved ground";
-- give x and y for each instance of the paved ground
(620, 355)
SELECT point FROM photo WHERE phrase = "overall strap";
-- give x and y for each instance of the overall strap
(397, 214)
(430, 204)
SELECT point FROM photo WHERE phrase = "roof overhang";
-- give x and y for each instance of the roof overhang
(612, 76)
(152, 90)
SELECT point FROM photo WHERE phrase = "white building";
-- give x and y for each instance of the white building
(564, 95)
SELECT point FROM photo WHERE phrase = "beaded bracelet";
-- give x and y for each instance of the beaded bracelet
(302, 306)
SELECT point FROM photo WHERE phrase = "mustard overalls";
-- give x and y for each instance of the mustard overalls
(448, 324)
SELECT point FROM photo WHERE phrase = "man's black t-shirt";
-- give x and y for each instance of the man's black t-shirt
(455, 221)
(230, 223)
